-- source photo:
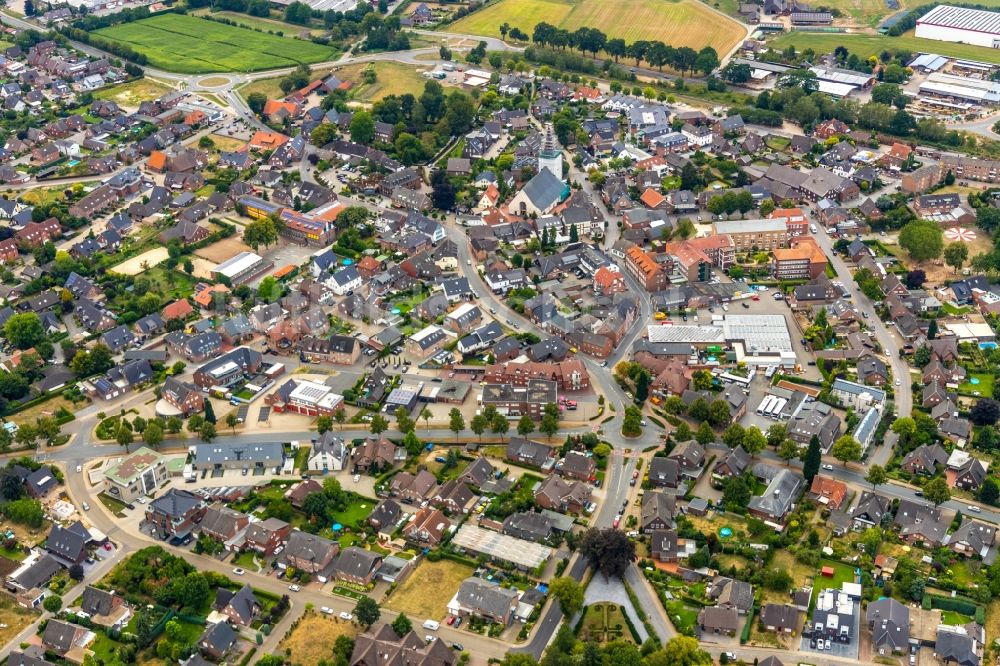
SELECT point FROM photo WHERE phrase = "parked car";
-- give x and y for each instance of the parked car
(344, 615)
(294, 588)
(239, 571)
(326, 610)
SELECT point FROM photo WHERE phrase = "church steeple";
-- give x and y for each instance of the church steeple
(550, 153)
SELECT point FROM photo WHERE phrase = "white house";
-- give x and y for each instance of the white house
(328, 454)
(345, 280)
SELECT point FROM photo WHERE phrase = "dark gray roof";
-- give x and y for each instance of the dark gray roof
(219, 637)
(544, 189)
(67, 543)
(309, 547)
(357, 562)
(490, 600)
(175, 503)
(97, 602)
(951, 646)
(59, 635)
(890, 623)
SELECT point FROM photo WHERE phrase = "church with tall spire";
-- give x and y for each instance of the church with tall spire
(550, 153)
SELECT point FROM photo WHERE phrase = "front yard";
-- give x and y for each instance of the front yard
(426, 593)
(603, 623)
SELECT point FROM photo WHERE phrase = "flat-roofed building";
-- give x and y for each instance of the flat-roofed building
(242, 268)
(140, 473)
(750, 234)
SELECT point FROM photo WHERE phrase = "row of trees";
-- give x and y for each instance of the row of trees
(657, 54)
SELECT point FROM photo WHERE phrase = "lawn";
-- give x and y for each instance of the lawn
(104, 648)
(44, 195)
(954, 311)
(683, 617)
(358, 510)
(677, 22)
(603, 623)
(984, 388)
(133, 93)
(841, 574)
(391, 78)
(311, 642)
(190, 45)
(245, 560)
(428, 589)
(170, 284)
(953, 618)
(867, 45)
(114, 506)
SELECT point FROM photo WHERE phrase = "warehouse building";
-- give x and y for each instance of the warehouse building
(962, 88)
(960, 25)
(242, 268)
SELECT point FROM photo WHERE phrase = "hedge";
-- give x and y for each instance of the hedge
(745, 634)
(955, 604)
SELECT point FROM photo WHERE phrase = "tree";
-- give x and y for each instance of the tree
(403, 421)
(811, 463)
(124, 436)
(478, 425)
(549, 424)
(379, 424)
(367, 612)
(936, 491)
(256, 102)
(705, 435)
(846, 449)
(916, 278)
(985, 412)
(525, 426)
(776, 435)
(989, 492)
(733, 435)
(260, 232)
(923, 239)
(209, 412)
(53, 603)
(324, 423)
(24, 330)
(736, 492)
(922, 356)
(232, 421)
(362, 127)
(76, 572)
(402, 625)
(608, 550)
(153, 434)
(754, 441)
(207, 431)
(632, 422)
(499, 424)
(569, 593)
(955, 254)
(426, 415)
(876, 476)
(456, 422)
(788, 450)
(680, 651)
(702, 380)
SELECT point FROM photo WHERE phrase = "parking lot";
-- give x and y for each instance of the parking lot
(837, 649)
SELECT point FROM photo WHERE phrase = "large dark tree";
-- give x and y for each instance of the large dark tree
(608, 550)
(985, 412)
(811, 463)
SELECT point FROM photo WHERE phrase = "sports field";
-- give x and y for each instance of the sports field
(186, 44)
(675, 22)
(867, 45)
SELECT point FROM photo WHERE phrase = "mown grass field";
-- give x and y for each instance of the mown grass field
(190, 45)
(676, 22)
(867, 45)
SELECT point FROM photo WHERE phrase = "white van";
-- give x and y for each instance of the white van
(812, 228)
(432, 625)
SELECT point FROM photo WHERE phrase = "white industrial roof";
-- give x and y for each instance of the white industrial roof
(959, 91)
(238, 264)
(684, 333)
(759, 333)
(840, 76)
(974, 20)
(931, 61)
(835, 89)
(503, 547)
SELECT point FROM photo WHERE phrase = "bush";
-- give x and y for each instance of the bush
(53, 603)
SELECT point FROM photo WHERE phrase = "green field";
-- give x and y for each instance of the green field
(186, 44)
(676, 22)
(867, 45)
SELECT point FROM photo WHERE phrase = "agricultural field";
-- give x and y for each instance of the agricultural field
(429, 588)
(312, 640)
(133, 93)
(190, 45)
(867, 45)
(260, 23)
(676, 22)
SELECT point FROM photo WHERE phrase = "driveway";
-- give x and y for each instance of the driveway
(614, 591)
